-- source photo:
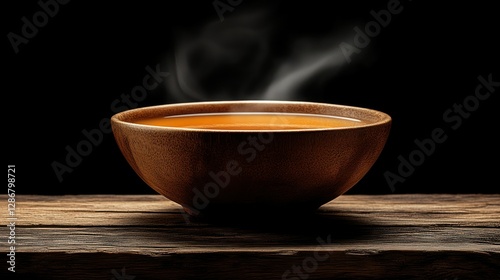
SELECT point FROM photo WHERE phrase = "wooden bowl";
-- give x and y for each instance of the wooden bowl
(214, 171)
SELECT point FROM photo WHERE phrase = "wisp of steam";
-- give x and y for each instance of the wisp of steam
(243, 58)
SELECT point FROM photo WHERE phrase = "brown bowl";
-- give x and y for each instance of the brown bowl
(206, 170)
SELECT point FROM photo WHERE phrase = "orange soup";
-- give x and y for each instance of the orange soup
(252, 121)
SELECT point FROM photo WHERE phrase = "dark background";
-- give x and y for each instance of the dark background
(427, 59)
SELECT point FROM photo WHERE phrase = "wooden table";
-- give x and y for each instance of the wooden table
(127, 237)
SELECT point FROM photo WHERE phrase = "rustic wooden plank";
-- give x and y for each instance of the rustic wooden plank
(105, 210)
(363, 237)
(467, 222)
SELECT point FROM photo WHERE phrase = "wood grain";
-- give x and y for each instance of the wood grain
(354, 236)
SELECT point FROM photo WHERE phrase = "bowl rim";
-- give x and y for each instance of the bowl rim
(117, 118)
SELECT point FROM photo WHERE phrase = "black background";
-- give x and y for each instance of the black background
(427, 59)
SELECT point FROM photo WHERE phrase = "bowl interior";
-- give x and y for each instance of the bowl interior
(369, 117)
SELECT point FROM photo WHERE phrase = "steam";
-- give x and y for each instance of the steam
(301, 68)
(239, 59)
